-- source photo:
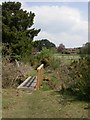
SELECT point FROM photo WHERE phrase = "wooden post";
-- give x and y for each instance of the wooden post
(40, 71)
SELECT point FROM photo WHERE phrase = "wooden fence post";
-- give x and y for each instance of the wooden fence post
(40, 72)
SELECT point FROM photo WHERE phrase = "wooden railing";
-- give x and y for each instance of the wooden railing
(39, 77)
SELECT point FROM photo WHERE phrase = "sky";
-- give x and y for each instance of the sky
(60, 22)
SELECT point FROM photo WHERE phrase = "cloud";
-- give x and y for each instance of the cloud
(61, 24)
(69, 40)
(47, 0)
(55, 18)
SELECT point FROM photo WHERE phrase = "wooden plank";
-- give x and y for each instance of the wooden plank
(40, 67)
(21, 85)
(40, 71)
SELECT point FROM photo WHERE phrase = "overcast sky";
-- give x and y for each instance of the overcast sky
(60, 22)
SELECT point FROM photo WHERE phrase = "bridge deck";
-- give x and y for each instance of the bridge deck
(29, 83)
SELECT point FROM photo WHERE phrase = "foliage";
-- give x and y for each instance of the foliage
(45, 86)
(43, 43)
(55, 63)
(17, 34)
(61, 48)
(85, 50)
(81, 78)
(44, 57)
(81, 74)
(12, 74)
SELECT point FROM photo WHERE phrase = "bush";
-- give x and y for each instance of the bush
(81, 78)
(44, 57)
(85, 50)
(55, 63)
(12, 75)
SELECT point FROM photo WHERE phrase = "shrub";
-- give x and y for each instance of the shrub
(81, 78)
(55, 63)
(44, 57)
(12, 75)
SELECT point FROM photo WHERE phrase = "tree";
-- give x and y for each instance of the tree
(17, 36)
(44, 43)
(85, 49)
(61, 48)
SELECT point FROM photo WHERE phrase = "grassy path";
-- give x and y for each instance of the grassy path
(41, 104)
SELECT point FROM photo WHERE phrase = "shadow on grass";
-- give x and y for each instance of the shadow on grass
(70, 95)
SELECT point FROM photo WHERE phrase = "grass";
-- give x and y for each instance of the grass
(67, 58)
(41, 104)
(44, 103)
(45, 86)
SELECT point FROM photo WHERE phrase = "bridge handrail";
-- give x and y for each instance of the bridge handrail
(40, 71)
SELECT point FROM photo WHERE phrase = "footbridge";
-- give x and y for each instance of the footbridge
(33, 82)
